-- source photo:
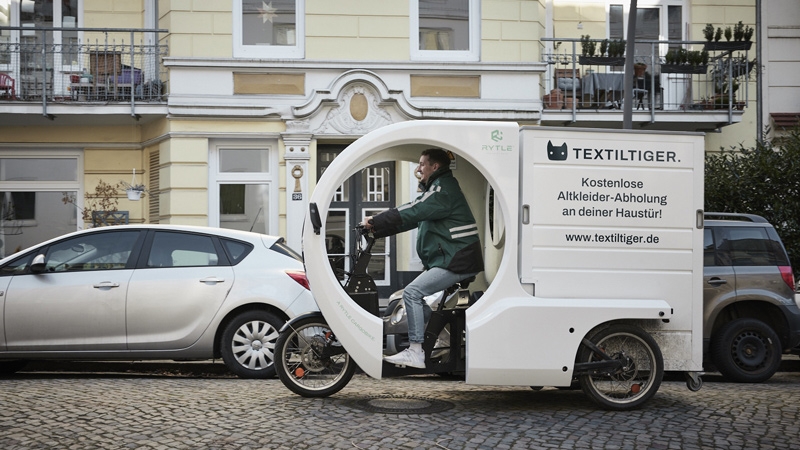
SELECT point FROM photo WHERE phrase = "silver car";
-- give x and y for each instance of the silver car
(151, 292)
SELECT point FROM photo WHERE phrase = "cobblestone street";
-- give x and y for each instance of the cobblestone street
(146, 411)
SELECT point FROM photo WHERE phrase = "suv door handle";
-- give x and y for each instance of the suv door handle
(717, 281)
(106, 284)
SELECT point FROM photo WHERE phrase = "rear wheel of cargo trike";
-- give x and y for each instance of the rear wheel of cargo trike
(310, 361)
(639, 376)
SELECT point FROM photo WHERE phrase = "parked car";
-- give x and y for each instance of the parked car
(151, 292)
(750, 313)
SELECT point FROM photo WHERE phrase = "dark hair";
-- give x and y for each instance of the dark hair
(437, 155)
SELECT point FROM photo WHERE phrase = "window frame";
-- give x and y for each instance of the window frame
(474, 27)
(271, 178)
(297, 51)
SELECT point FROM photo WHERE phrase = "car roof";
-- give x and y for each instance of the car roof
(249, 236)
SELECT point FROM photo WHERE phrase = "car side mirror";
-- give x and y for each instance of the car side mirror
(38, 264)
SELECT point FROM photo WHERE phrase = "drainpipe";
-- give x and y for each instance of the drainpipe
(759, 79)
(627, 106)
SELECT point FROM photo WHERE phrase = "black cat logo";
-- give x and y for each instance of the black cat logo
(556, 153)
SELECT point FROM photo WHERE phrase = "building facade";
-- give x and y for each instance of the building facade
(229, 111)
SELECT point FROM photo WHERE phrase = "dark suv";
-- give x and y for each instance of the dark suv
(750, 315)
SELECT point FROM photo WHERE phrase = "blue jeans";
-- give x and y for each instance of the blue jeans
(427, 283)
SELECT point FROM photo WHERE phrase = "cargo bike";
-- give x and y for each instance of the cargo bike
(594, 262)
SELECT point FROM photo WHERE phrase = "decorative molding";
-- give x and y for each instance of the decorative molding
(341, 120)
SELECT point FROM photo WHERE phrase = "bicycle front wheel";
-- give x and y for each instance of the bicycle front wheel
(310, 361)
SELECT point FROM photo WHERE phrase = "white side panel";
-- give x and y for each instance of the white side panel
(533, 341)
(613, 215)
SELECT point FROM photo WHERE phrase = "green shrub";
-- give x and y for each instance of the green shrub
(763, 180)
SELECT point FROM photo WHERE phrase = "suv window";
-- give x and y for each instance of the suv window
(741, 246)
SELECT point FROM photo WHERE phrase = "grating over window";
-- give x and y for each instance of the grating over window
(155, 186)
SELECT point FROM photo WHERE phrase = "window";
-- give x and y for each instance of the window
(445, 30)
(655, 20)
(269, 28)
(99, 251)
(244, 192)
(749, 247)
(182, 250)
(236, 250)
(39, 197)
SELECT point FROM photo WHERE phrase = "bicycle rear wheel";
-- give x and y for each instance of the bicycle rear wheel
(639, 376)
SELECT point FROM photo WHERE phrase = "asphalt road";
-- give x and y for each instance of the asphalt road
(150, 405)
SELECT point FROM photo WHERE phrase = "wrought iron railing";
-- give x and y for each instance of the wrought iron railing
(82, 65)
(668, 76)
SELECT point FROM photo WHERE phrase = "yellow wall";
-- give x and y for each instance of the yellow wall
(353, 30)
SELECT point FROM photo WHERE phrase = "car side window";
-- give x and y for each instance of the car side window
(750, 246)
(182, 250)
(96, 251)
(709, 250)
(16, 266)
(236, 250)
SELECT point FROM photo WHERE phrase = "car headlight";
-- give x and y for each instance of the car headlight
(397, 314)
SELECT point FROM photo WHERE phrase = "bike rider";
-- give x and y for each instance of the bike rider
(447, 243)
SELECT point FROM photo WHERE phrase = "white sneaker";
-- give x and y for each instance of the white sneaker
(408, 358)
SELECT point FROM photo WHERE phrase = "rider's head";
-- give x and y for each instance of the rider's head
(430, 161)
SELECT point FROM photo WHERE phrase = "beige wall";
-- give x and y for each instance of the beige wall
(357, 30)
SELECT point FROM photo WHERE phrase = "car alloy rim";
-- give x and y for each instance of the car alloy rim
(254, 344)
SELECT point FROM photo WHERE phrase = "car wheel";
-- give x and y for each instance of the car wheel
(747, 351)
(9, 367)
(248, 344)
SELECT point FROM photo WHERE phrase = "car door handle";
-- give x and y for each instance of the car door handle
(106, 284)
(717, 281)
(212, 280)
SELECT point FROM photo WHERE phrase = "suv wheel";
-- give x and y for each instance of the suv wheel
(248, 344)
(747, 351)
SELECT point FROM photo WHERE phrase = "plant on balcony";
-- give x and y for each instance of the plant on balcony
(728, 74)
(740, 34)
(683, 61)
(610, 52)
(708, 32)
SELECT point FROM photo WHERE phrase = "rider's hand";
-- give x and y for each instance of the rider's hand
(367, 223)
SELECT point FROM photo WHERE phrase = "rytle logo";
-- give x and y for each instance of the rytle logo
(556, 153)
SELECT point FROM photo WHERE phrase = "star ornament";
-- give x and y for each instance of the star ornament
(267, 12)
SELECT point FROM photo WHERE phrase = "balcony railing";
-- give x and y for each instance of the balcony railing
(668, 76)
(51, 65)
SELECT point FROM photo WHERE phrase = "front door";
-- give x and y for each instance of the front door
(366, 193)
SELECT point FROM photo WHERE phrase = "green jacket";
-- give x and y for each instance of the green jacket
(448, 235)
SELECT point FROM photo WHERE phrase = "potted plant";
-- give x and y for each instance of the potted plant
(614, 49)
(737, 37)
(708, 32)
(683, 61)
(133, 191)
(639, 69)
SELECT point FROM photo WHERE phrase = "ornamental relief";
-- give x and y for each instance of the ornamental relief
(358, 112)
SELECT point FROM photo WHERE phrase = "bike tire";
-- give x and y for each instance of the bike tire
(639, 379)
(302, 367)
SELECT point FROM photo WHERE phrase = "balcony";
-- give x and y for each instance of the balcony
(68, 72)
(686, 89)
